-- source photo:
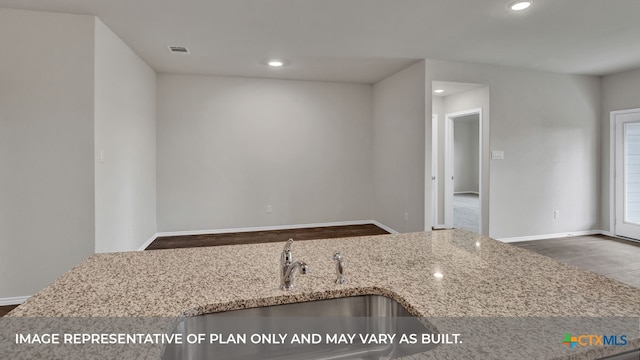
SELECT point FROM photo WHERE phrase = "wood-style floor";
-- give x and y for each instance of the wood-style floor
(254, 237)
(4, 310)
(611, 257)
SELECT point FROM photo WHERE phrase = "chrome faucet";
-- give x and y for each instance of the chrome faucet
(340, 271)
(288, 267)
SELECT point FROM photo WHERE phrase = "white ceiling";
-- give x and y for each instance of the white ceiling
(451, 88)
(365, 40)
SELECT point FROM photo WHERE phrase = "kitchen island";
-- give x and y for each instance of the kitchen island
(476, 278)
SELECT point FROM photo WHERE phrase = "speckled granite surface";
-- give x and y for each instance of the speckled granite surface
(481, 277)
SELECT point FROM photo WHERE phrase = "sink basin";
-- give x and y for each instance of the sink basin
(344, 328)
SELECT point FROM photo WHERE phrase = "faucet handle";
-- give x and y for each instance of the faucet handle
(287, 256)
(287, 245)
(304, 268)
(340, 269)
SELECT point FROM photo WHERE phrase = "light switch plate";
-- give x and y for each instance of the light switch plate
(497, 155)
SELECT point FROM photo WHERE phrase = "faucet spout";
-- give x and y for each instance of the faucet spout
(288, 267)
(288, 279)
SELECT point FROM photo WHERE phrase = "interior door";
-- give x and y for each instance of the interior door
(434, 170)
(448, 171)
(627, 174)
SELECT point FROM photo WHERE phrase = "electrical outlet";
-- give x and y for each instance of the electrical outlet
(556, 214)
(406, 216)
(269, 209)
(497, 155)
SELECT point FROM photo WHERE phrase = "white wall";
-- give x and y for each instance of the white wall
(228, 147)
(466, 154)
(548, 125)
(125, 137)
(399, 150)
(619, 92)
(46, 147)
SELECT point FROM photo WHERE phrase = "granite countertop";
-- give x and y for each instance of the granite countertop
(481, 278)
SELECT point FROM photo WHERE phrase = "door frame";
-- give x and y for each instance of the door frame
(435, 194)
(449, 164)
(613, 167)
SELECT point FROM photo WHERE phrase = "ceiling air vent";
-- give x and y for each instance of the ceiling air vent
(179, 50)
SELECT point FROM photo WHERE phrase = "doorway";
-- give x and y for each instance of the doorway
(463, 161)
(456, 100)
(626, 165)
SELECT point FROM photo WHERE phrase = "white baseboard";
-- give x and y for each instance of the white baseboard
(148, 242)
(551, 236)
(383, 227)
(466, 192)
(13, 300)
(359, 222)
(266, 228)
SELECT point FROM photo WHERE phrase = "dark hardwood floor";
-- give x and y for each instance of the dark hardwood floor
(611, 257)
(328, 232)
(5, 309)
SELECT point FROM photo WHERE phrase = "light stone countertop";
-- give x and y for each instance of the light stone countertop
(481, 278)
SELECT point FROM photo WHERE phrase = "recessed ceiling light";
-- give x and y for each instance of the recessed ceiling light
(438, 275)
(438, 91)
(519, 5)
(275, 63)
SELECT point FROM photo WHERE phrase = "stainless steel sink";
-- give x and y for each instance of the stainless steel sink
(350, 316)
